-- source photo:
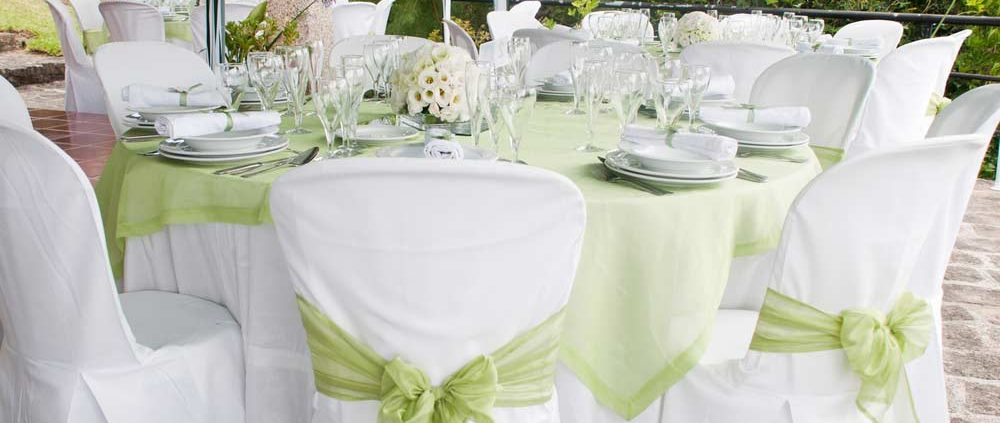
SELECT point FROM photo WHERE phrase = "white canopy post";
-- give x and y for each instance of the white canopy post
(996, 177)
(500, 5)
(215, 30)
(447, 15)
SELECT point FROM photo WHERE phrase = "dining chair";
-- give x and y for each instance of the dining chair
(146, 62)
(905, 83)
(132, 21)
(88, 14)
(528, 8)
(744, 61)
(541, 37)
(74, 349)
(458, 37)
(15, 111)
(431, 300)
(835, 88)
(351, 20)
(234, 12)
(839, 298)
(382, 10)
(944, 71)
(83, 88)
(502, 24)
(549, 61)
(890, 32)
(975, 112)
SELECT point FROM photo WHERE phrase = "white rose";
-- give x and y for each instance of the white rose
(428, 78)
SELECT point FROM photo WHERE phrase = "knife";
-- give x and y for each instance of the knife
(299, 160)
(250, 166)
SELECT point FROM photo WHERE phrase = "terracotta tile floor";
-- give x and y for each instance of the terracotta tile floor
(87, 138)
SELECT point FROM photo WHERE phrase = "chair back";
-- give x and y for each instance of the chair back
(548, 61)
(155, 63)
(69, 39)
(854, 238)
(975, 112)
(436, 262)
(503, 24)
(351, 20)
(833, 87)
(458, 37)
(382, 11)
(15, 111)
(132, 21)
(58, 303)
(526, 8)
(905, 82)
(83, 90)
(957, 39)
(541, 37)
(199, 33)
(88, 13)
(890, 32)
(744, 61)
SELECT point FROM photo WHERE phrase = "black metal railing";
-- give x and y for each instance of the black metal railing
(927, 20)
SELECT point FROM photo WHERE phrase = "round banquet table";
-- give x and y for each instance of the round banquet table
(653, 270)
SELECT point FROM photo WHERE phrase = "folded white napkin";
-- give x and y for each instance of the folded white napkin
(143, 95)
(720, 85)
(785, 115)
(443, 149)
(711, 146)
(195, 124)
(830, 49)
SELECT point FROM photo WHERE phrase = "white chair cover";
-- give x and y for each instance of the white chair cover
(503, 23)
(852, 239)
(69, 354)
(548, 61)
(484, 252)
(234, 12)
(83, 89)
(833, 87)
(975, 112)
(944, 73)
(541, 37)
(132, 21)
(351, 20)
(745, 61)
(458, 37)
(526, 8)
(356, 46)
(382, 10)
(88, 13)
(906, 80)
(15, 112)
(890, 32)
(122, 64)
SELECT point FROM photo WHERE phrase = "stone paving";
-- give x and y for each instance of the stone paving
(971, 310)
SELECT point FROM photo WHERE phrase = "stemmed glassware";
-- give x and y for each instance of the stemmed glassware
(330, 107)
(700, 77)
(519, 53)
(233, 83)
(644, 25)
(355, 77)
(578, 56)
(593, 88)
(389, 65)
(297, 74)
(626, 95)
(667, 28)
(265, 74)
(375, 54)
(671, 99)
(814, 28)
(316, 64)
(478, 77)
(517, 104)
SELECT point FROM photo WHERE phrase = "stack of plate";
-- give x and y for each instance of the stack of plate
(556, 87)
(416, 151)
(666, 165)
(761, 135)
(224, 147)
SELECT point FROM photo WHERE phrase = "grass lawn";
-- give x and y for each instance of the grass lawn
(32, 16)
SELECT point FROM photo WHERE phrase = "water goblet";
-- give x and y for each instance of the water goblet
(671, 99)
(265, 70)
(233, 83)
(700, 77)
(328, 99)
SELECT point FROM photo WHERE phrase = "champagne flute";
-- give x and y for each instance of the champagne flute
(667, 28)
(592, 89)
(330, 107)
(316, 65)
(700, 77)
(516, 110)
(296, 74)
(578, 56)
(265, 74)
(626, 93)
(233, 83)
(477, 85)
(519, 51)
(355, 77)
(374, 54)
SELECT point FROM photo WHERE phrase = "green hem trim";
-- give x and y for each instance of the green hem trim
(630, 407)
(215, 214)
(758, 246)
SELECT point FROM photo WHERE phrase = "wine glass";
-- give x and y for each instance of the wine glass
(375, 54)
(644, 20)
(814, 28)
(592, 78)
(265, 74)
(578, 56)
(297, 74)
(233, 83)
(389, 65)
(671, 99)
(316, 65)
(700, 77)
(328, 99)
(355, 79)
(667, 28)
(519, 52)
(626, 94)
(477, 86)
(517, 104)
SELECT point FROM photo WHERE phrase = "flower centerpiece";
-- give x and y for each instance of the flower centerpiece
(697, 27)
(430, 81)
(261, 32)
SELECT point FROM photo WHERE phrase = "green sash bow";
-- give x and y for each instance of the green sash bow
(877, 346)
(518, 374)
(184, 93)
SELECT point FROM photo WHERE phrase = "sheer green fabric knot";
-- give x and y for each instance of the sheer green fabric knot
(876, 345)
(408, 397)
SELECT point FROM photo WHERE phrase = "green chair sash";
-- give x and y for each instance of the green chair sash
(876, 345)
(518, 374)
(828, 156)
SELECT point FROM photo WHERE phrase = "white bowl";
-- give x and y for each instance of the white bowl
(752, 131)
(664, 158)
(235, 141)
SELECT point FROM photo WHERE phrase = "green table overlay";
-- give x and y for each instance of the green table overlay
(173, 30)
(652, 271)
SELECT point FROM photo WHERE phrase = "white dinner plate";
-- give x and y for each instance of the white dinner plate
(760, 133)
(666, 159)
(377, 133)
(416, 151)
(794, 139)
(151, 113)
(714, 171)
(719, 98)
(230, 142)
(664, 180)
(183, 151)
